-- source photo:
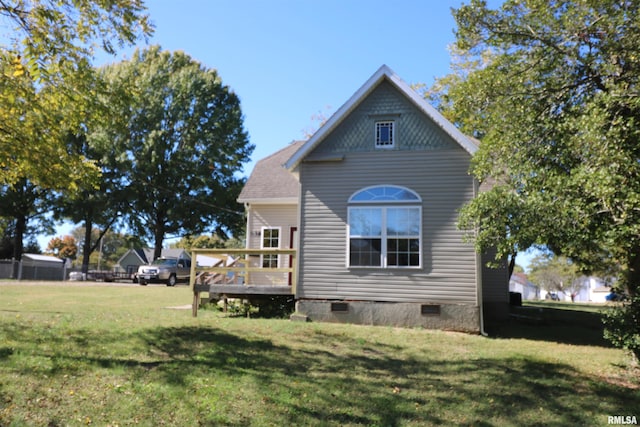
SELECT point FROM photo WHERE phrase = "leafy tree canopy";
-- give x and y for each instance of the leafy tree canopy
(47, 82)
(178, 144)
(212, 241)
(109, 246)
(63, 247)
(551, 88)
(24, 206)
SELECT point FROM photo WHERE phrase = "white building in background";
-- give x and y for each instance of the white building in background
(520, 283)
(592, 289)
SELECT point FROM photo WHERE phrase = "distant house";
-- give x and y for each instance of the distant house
(520, 283)
(593, 289)
(133, 258)
(371, 203)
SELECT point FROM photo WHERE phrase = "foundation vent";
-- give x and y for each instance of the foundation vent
(430, 309)
(339, 307)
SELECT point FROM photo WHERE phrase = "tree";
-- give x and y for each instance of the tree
(181, 148)
(208, 241)
(47, 82)
(111, 246)
(94, 209)
(25, 206)
(556, 274)
(551, 90)
(63, 247)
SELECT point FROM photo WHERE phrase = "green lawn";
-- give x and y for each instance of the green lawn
(118, 356)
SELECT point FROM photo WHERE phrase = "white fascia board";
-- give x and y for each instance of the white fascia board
(274, 201)
(337, 117)
(383, 72)
(463, 140)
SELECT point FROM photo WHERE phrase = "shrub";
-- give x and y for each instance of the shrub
(622, 325)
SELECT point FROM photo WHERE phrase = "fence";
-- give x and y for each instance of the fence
(13, 269)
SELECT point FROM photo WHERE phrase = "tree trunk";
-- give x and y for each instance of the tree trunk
(633, 274)
(158, 238)
(86, 245)
(512, 263)
(18, 246)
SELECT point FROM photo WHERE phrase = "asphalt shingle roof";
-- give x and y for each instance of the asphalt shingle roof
(270, 180)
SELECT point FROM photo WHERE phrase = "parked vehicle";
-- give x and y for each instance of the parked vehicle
(552, 296)
(164, 270)
(616, 296)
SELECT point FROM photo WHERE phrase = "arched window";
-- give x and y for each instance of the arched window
(385, 228)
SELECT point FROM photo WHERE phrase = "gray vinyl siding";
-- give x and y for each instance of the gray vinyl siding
(424, 159)
(439, 176)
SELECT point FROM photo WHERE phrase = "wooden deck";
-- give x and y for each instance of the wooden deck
(239, 291)
(237, 273)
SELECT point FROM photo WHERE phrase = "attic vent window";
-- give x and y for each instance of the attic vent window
(384, 134)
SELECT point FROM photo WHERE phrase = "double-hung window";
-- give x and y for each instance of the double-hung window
(270, 240)
(385, 228)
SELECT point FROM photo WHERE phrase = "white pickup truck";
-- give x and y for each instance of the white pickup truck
(165, 270)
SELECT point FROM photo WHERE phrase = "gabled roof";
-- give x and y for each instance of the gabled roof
(42, 258)
(384, 72)
(270, 181)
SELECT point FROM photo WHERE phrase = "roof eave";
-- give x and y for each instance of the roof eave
(383, 72)
(270, 201)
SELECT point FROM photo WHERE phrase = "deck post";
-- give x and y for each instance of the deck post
(196, 303)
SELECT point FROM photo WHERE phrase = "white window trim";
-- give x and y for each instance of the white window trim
(383, 247)
(393, 135)
(417, 201)
(262, 230)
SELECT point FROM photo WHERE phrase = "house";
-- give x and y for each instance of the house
(520, 283)
(593, 289)
(371, 202)
(133, 258)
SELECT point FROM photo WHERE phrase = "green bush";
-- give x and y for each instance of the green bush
(273, 307)
(622, 325)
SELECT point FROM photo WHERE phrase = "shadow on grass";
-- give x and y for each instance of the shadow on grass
(334, 379)
(555, 324)
(340, 381)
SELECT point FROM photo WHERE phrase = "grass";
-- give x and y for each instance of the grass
(117, 356)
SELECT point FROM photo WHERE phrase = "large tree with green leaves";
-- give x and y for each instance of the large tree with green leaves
(25, 206)
(97, 208)
(551, 88)
(179, 145)
(47, 85)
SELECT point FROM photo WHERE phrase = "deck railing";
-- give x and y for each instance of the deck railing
(240, 271)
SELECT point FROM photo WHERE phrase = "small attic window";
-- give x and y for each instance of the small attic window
(384, 134)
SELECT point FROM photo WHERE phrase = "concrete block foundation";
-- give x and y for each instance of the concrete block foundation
(455, 317)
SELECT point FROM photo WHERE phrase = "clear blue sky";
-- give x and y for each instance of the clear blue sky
(291, 60)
